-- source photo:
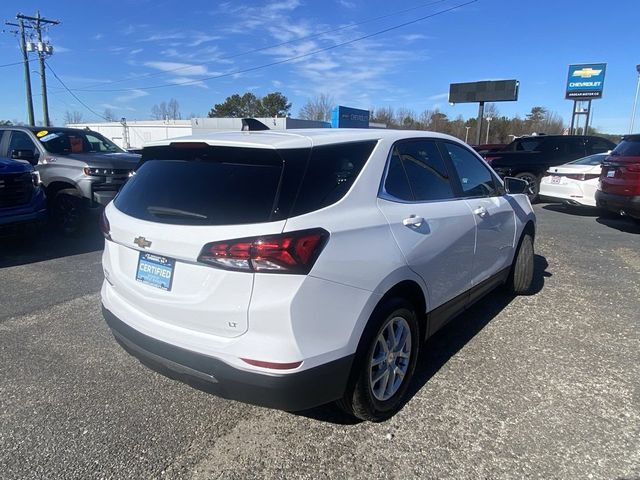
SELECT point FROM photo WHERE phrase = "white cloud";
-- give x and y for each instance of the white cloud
(163, 36)
(185, 69)
(439, 96)
(97, 36)
(187, 82)
(347, 4)
(132, 95)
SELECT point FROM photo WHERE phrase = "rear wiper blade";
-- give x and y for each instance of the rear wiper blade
(173, 212)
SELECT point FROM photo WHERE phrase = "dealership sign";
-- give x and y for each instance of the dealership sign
(585, 81)
(347, 117)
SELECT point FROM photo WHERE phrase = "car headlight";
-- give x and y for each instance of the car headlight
(35, 178)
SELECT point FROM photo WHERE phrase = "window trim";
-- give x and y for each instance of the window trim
(384, 195)
(498, 183)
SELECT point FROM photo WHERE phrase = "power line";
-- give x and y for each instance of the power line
(286, 60)
(269, 47)
(73, 94)
(17, 63)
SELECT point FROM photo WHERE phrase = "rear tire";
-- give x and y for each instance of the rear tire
(534, 184)
(521, 276)
(385, 362)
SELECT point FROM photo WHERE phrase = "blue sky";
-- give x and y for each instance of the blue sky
(110, 53)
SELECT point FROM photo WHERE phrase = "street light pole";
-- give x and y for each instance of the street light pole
(466, 135)
(635, 101)
(488, 126)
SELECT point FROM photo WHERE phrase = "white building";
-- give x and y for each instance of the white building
(134, 134)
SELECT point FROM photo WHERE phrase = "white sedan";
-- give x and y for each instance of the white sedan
(574, 183)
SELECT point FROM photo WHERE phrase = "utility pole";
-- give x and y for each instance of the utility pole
(27, 73)
(43, 49)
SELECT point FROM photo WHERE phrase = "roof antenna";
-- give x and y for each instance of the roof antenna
(252, 125)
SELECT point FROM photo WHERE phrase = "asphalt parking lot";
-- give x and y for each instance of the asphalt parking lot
(544, 386)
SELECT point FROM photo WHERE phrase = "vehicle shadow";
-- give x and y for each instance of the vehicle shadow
(437, 351)
(47, 245)
(573, 210)
(623, 224)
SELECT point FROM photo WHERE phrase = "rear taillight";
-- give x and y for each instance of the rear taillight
(105, 228)
(582, 176)
(293, 252)
(490, 159)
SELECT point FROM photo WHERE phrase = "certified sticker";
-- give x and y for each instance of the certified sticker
(41, 133)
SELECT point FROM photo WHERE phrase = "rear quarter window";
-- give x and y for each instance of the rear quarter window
(331, 171)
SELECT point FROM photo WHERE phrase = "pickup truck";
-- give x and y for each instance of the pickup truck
(22, 200)
(80, 169)
(528, 158)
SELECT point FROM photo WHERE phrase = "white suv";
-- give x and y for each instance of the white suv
(295, 269)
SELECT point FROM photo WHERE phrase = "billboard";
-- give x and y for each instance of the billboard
(487, 91)
(585, 81)
(347, 117)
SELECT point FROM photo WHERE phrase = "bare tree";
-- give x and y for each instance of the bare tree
(166, 111)
(108, 115)
(318, 108)
(72, 117)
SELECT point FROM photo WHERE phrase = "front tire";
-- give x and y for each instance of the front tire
(68, 213)
(385, 363)
(521, 276)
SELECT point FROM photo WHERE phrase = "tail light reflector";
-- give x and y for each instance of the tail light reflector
(105, 228)
(292, 252)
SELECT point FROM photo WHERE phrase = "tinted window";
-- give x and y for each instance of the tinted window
(629, 148)
(203, 186)
(599, 145)
(572, 146)
(590, 160)
(425, 169)
(21, 141)
(475, 178)
(331, 172)
(396, 182)
(528, 145)
(63, 142)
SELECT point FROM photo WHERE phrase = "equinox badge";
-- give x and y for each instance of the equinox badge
(142, 242)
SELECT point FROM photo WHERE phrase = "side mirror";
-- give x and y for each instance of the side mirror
(515, 185)
(26, 155)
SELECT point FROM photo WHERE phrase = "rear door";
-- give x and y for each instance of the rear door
(182, 199)
(492, 212)
(434, 230)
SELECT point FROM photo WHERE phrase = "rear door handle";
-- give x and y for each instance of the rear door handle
(412, 221)
(480, 211)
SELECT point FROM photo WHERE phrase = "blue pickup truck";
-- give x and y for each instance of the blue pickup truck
(22, 200)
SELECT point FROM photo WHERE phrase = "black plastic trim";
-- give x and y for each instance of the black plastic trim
(285, 391)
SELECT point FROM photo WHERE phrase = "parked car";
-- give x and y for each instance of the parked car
(574, 183)
(486, 148)
(80, 169)
(22, 200)
(528, 158)
(295, 269)
(619, 189)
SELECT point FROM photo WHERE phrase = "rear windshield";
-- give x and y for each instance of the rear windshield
(214, 185)
(627, 148)
(525, 145)
(590, 160)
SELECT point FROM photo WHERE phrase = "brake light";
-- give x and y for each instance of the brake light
(105, 228)
(293, 252)
(490, 159)
(582, 176)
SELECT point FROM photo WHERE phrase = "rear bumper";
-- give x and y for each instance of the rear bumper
(630, 205)
(285, 391)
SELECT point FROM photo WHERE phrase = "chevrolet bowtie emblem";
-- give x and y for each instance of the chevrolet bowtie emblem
(142, 242)
(587, 72)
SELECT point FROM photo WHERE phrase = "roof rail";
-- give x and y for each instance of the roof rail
(252, 125)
